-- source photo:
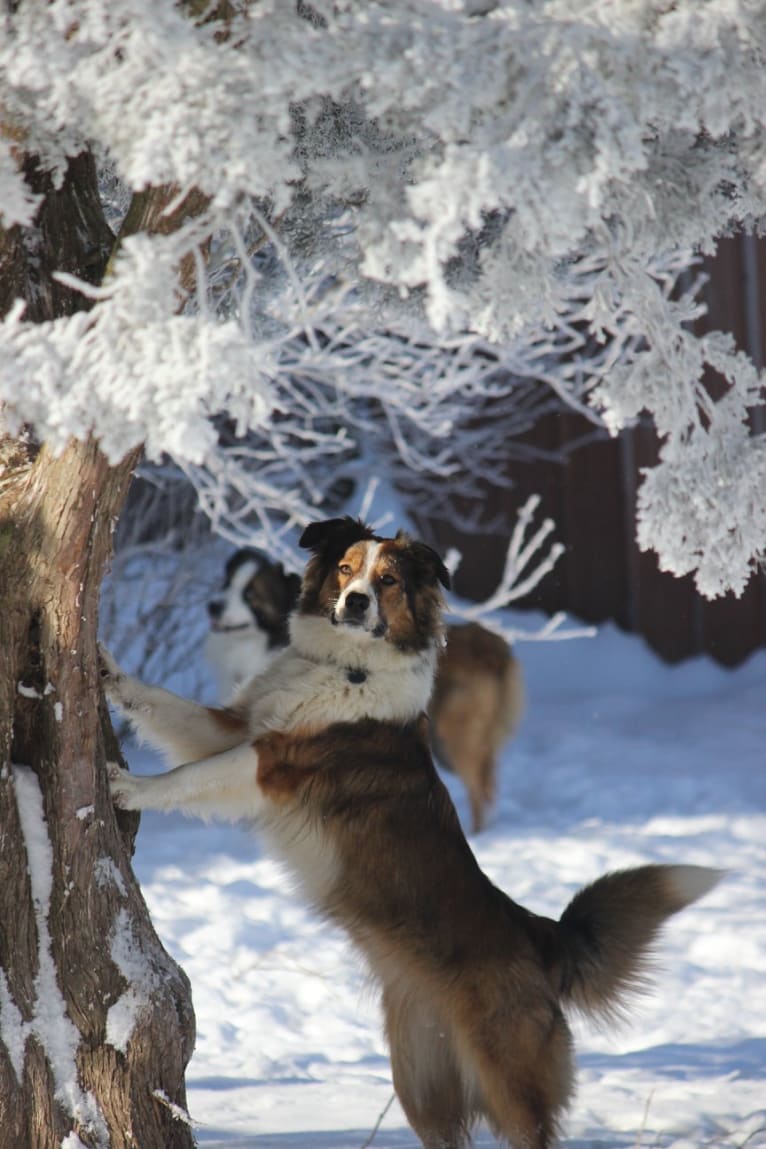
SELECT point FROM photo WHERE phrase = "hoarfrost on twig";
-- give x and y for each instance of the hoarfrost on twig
(529, 184)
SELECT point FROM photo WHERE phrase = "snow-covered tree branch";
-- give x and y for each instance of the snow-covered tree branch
(524, 178)
(529, 557)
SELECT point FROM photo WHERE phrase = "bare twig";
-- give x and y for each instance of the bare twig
(379, 1122)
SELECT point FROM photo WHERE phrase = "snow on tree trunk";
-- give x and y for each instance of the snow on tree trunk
(96, 1022)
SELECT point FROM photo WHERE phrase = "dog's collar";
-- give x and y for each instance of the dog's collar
(356, 675)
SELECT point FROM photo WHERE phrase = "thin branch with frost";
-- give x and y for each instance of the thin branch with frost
(17, 204)
(527, 561)
(551, 630)
(517, 580)
(428, 410)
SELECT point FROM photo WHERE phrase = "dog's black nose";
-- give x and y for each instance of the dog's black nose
(356, 603)
(215, 608)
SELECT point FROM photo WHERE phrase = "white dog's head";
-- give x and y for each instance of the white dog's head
(249, 617)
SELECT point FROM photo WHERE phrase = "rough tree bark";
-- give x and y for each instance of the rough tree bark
(96, 1023)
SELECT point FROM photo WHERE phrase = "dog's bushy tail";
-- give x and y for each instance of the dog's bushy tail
(607, 931)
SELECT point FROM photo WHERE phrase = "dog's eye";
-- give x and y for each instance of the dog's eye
(388, 580)
(344, 569)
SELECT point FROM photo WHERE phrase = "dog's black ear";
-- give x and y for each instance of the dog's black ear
(289, 586)
(425, 563)
(243, 555)
(294, 582)
(334, 535)
(429, 558)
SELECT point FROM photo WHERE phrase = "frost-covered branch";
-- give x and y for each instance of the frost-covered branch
(529, 558)
(523, 183)
(17, 204)
(432, 416)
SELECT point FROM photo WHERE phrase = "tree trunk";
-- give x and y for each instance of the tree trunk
(96, 1023)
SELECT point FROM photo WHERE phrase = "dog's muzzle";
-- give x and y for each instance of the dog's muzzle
(215, 609)
(355, 607)
(354, 610)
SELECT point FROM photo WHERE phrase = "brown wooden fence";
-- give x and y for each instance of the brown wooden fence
(592, 498)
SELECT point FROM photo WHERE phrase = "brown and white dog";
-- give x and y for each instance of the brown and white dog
(478, 696)
(329, 755)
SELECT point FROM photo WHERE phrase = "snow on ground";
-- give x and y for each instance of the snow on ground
(621, 760)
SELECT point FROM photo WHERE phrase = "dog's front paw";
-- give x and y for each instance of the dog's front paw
(108, 670)
(125, 787)
(119, 687)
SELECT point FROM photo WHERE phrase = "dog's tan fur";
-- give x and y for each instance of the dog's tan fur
(477, 703)
(331, 758)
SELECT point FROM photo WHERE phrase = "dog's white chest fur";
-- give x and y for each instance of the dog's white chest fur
(330, 674)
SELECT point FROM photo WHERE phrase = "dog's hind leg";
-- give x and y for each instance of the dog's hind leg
(523, 1066)
(426, 1074)
(463, 725)
(182, 730)
(479, 776)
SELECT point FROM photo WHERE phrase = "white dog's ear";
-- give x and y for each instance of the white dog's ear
(334, 536)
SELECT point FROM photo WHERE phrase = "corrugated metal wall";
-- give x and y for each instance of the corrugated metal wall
(603, 575)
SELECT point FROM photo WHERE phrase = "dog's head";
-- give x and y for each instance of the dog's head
(257, 593)
(379, 588)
